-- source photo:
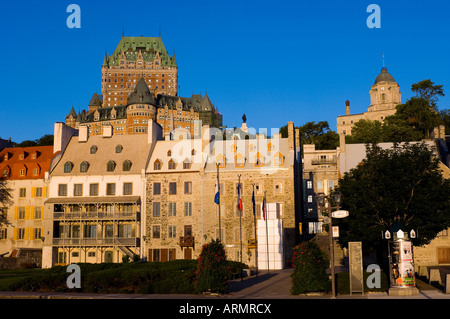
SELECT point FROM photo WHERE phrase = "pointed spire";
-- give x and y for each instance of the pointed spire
(123, 31)
(105, 60)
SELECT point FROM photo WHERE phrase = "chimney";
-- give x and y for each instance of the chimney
(83, 133)
(347, 107)
(291, 140)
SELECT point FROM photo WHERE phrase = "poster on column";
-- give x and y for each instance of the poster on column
(407, 263)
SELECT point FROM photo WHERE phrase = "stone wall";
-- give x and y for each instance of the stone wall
(25, 258)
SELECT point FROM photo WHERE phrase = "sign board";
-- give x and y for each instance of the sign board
(356, 267)
(340, 214)
(335, 231)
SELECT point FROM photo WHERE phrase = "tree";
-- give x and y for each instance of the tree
(393, 129)
(428, 91)
(5, 199)
(418, 112)
(213, 273)
(318, 134)
(45, 140)
(403, 184)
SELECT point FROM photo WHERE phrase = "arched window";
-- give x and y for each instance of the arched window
(169, 153)
(110, 166)
(68, 167)
(93, 149)
(126, 165)
(84, 166)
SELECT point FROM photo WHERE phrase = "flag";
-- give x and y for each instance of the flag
(239, 199)
(253, 201)
(217, 196)
(264, 207)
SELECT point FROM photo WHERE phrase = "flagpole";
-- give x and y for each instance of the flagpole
(218, 189)
(240, 214)
(267, 231)
(256, 237)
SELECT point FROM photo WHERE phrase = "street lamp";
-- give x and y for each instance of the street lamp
(321, 199)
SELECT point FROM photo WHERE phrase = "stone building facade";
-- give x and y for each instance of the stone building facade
(181, 186)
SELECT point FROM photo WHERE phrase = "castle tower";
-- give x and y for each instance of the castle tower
(135, 58)
(140, 109)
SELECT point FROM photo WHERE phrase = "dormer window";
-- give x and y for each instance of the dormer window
(68, 167)
(278, 159)
(119, 148)
(169, 153)
(126, 165)
(110, 166)
(172, 164)
(220, 160)
(84, 166)
(239, 160)
(186, 164)
(93, 149)
(157, 165)
(258, 160)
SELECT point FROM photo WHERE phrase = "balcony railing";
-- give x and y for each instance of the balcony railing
(113, 241)
(187, 241)
(321, 161)
(96, 215)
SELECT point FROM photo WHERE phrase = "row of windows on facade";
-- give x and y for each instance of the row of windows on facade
(22, 234)
(133, 86)
(22, 172)
(110, 166)
(35, 192)
(139, 75)
(93, 189)
(92, 231)
(278, 188)
(187, 211)
(21, 156)
(172, 233)
(134, 80)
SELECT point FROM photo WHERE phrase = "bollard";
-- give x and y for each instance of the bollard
(435, 275)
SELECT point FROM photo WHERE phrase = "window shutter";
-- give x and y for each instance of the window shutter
(16, 214)
(15, 233)
(33, 192)
(27, 212)
(42, 212)
(150, 253)
(32, 212)
(44, 191)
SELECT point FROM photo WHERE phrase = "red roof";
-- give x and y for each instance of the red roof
(25, 162)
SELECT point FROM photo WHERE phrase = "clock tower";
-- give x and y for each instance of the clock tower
(385, 93)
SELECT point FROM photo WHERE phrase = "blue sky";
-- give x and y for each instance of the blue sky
(275, 61)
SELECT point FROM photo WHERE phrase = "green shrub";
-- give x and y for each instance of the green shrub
(310, 264)
(213, 272)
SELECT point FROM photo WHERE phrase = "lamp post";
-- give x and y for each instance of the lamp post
(336, 199)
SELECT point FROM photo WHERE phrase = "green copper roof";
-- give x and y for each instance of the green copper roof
(148, 46)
